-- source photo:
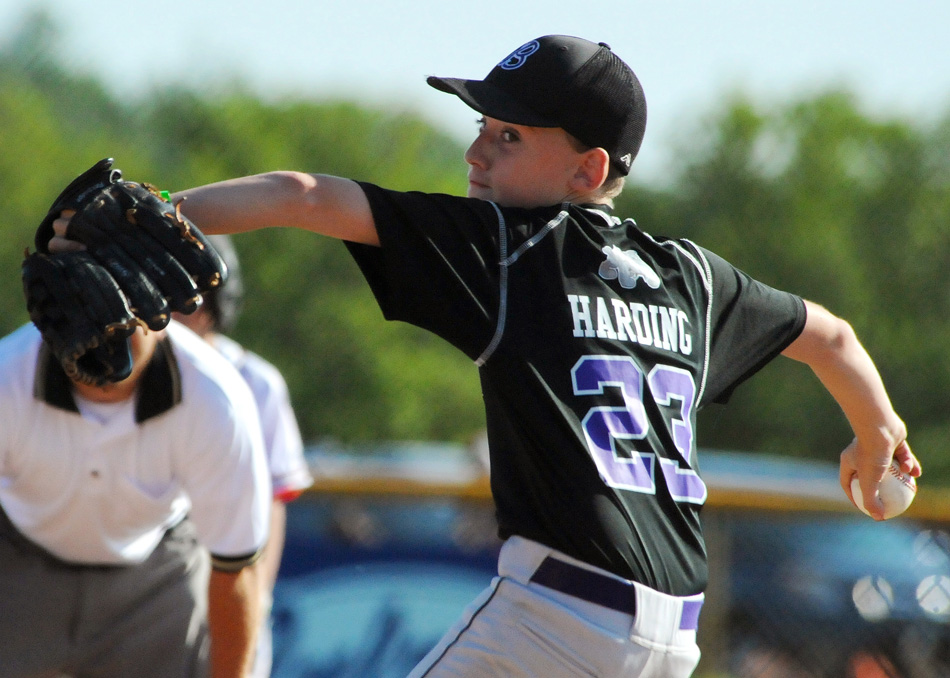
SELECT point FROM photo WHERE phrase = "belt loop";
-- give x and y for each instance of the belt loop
(689, 619)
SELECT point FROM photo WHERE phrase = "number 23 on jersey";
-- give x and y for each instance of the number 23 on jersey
(604, 425)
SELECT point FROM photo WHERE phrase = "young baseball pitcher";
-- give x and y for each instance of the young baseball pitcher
(596, 344)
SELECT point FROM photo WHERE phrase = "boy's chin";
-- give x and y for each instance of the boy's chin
(480, 192)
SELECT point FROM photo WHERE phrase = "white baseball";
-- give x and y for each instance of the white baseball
(897, 492)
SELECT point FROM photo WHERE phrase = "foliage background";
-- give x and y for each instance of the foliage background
(809, 195)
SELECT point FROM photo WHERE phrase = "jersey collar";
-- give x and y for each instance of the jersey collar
(159, 391)
(603, 211)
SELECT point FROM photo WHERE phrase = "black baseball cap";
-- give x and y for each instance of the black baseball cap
(567, 82)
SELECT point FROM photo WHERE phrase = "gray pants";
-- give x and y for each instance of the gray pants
(147, 620)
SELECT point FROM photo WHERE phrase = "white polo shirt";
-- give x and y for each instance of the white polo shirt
(100, 484)
(289, 472)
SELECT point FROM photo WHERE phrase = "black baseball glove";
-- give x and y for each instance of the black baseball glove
(158, 258)
(82, 314)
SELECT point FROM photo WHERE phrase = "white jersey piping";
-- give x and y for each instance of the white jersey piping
(504, 262)
(502, 289)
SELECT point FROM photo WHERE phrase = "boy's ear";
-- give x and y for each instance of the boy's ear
(592, 170)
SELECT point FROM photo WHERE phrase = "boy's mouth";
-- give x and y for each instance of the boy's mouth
(474, 182)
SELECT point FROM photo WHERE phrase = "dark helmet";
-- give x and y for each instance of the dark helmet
(224, 303)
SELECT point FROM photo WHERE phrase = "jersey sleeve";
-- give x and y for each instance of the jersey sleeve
(17, 350)
(437, 266)
(283, 442)
(225, 473)
(750, 324)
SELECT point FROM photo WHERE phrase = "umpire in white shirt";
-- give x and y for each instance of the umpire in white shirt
(112, 499)
(283, 444)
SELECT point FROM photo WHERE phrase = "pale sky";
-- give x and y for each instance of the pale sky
(687, 53)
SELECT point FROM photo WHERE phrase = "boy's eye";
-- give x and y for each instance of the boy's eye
(507, 135)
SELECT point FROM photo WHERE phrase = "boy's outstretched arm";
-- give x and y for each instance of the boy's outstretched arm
(830, 347)
(324, 204)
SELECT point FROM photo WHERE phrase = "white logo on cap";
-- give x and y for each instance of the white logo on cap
(517, 58)
(626, 160)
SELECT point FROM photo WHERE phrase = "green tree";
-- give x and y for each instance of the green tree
(307, 308)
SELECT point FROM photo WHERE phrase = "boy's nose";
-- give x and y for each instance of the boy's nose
(475, 154)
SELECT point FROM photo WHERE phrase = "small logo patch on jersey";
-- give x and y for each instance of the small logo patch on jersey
(627, 267)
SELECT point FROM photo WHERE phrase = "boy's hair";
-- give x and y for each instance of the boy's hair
(567, 82)
(613, 186)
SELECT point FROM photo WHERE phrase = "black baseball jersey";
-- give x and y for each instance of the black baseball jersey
(596, 345)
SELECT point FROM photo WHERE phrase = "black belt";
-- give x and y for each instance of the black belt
(603, 590)
(586, 585)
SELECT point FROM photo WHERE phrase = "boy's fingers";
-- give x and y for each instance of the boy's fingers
(907, 460)
(59, 244)
(62, 223)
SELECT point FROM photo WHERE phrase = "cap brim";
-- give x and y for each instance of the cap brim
(490, 100)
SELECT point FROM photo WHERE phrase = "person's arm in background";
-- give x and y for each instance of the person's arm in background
(233, 620)
(830, 347)
(269, 564)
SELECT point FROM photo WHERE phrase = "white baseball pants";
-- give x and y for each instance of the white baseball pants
(521, 628)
